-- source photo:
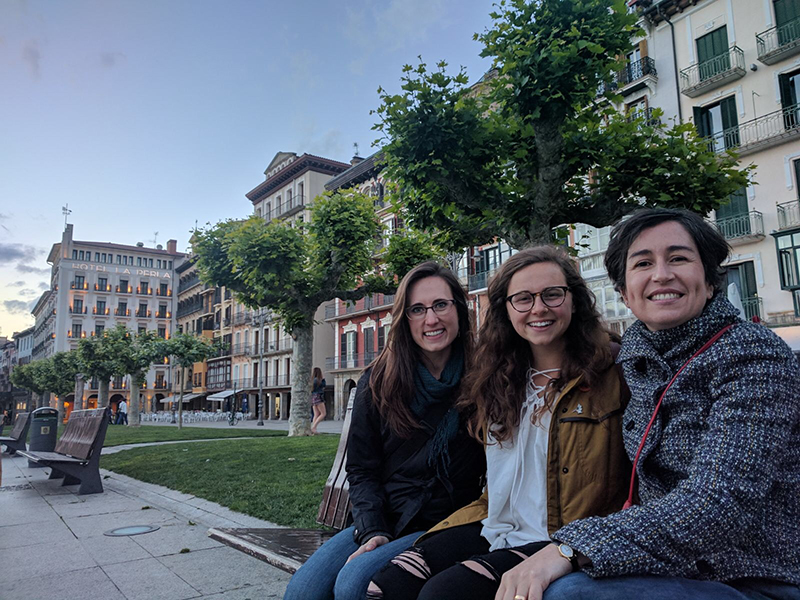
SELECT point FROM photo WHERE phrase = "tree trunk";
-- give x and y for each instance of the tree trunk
(102, 393)
(60, 408)
(180, 399)
(133, 405)
(300, 414)
(79, 387)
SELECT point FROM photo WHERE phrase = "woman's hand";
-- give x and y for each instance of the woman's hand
(371, 544)
(530, 578)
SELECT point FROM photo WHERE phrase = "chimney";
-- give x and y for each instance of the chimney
(172, 246)
(355, 160)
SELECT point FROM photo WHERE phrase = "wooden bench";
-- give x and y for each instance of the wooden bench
(77, 454)
(288, 549)
(19, 435)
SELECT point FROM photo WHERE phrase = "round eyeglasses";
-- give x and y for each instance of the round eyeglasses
(552, 297)
(418, 311)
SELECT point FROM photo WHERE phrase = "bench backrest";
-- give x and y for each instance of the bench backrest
(335, 506)
(20, 425)
(81, 432)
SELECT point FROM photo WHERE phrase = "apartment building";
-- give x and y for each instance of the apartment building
(731, 67)
(94, 287)
(291, 182)
(23, 341)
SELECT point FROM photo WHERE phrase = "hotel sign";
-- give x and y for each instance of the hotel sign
(121, 270)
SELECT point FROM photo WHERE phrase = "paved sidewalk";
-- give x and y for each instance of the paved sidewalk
(53, 545)
(329, 426)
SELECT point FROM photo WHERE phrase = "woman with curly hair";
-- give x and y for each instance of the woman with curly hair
(545, 397)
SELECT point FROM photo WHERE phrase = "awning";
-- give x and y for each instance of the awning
(186, 398)
(220, 396)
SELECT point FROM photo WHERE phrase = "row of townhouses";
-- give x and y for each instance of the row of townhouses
(731, 67)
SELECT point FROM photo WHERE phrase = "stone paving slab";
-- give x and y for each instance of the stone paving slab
(32, 561)
(147, 579)
(174, 538)
(30, 534)
(93, 583)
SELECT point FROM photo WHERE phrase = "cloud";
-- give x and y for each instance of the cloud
(19, 283)
(32, 57)
(28, 292)
(109, 60)
(16, 307)
(22, 268)
(44, 285)
(20, 252)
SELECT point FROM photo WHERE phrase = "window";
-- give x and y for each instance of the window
(162, 332)
(96, 257)
(144, 287)
(169, 264)
(102, 284)
(788, 259)
(743, 275)
(79, 282)
(76, 330)
(74, 255)
(590, 240)
(77, 305)
(790, 98)
(369, 344)
(719, 123)
(123, 286)
(99, 329)
(142, 329)
(142, 312)
(139, 261)
(712, 53)
(124, 260)
(80, 255)
(786, 14)
(103, 257)
(119, 259)
(158, 263)
(122, 309)
(101, 307)
(733, 219)
(383, 335)
(162, 289)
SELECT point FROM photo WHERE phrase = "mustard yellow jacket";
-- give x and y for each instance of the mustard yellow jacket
(588, 471)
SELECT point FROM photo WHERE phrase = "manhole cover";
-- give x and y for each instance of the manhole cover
(132, 530)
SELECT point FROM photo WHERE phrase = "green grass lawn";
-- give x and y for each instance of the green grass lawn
(117, 435)
(276, 478)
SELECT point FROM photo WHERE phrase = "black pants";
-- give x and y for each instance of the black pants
(433, 568)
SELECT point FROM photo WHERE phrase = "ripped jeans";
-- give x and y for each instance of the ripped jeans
(448, 564)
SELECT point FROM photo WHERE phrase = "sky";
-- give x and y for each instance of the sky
(148, 116)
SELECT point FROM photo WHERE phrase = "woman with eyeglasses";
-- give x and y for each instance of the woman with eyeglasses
(545, 397)
(410, 458)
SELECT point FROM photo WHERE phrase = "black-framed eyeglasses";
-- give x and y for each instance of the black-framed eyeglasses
(418, 311)
(552, 297)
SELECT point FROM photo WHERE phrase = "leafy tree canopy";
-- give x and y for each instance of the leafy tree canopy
(533, 146)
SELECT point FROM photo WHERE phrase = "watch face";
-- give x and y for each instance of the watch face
(566, 551)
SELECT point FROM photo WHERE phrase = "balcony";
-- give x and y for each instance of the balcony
(188, 282)
(292, 206)
(644, 116)
(122, 312)
(336, 309)
(635, 76)
(281, 345)
(144, 291)
(240, 349)
(789, 215)
(124, 289)
(161, 385)
(167, 293)
(276, 381)
(226, 322)
(79, 285)
(480, 281)
(119, 385)
(163, 315)
(102, 288)
(778, 43)
(349, 361)
(101, 311)
(753, 307)
(742, 229)
(143, 314)
(77, 311)
(241, 318)
(760, 133)
(711, 74)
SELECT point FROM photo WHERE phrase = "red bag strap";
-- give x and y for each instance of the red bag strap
(706, 346)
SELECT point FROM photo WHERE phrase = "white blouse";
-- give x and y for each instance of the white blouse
(517, 479)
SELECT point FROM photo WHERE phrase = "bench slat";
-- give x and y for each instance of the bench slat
(19, 426)
(49, 457)
(80, 432)
(335, 506)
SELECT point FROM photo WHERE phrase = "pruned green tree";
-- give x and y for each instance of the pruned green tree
(30, 377)
(145, 349)
(185, 350)
(59, 377)
(293, 269)
(534, 145)
(101, 358)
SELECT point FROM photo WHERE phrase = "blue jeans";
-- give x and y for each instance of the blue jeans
(579, 586)
(325, 575)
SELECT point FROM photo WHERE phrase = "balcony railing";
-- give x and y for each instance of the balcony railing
(711, 74)
(479, 281)
(350, 361)
(144, 291)
(101, 311)
(644, 115)
(122, 312)
(760, 133)
(281, 345)
(753, 307)
(789, 214)
(77, 311)
(102, 288)
(161, 385)
(123, 289)
(779, 43)
(241, 318)
(190, 281)
(632, 77)
(742, 228)
(163, 315)
(239, 349)
(79, 285)
(166, 293)
(366, 303)
(277, 380)
(288, 208)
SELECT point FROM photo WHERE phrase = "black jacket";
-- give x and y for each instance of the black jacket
(393, 490)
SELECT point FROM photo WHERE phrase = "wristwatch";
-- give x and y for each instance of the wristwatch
(568, 553)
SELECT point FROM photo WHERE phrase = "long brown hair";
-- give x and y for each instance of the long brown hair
(316, 376)
(392, 378)
(495, 387)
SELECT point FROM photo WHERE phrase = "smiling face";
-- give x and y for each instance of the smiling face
(434, 333)
(542, 326)
(665, 284)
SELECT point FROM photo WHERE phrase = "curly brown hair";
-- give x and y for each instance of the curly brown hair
(495, 387)
(392, 377)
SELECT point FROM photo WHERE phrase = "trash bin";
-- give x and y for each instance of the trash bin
(44, 427)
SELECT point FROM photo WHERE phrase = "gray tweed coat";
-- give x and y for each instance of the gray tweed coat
(719, 476)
